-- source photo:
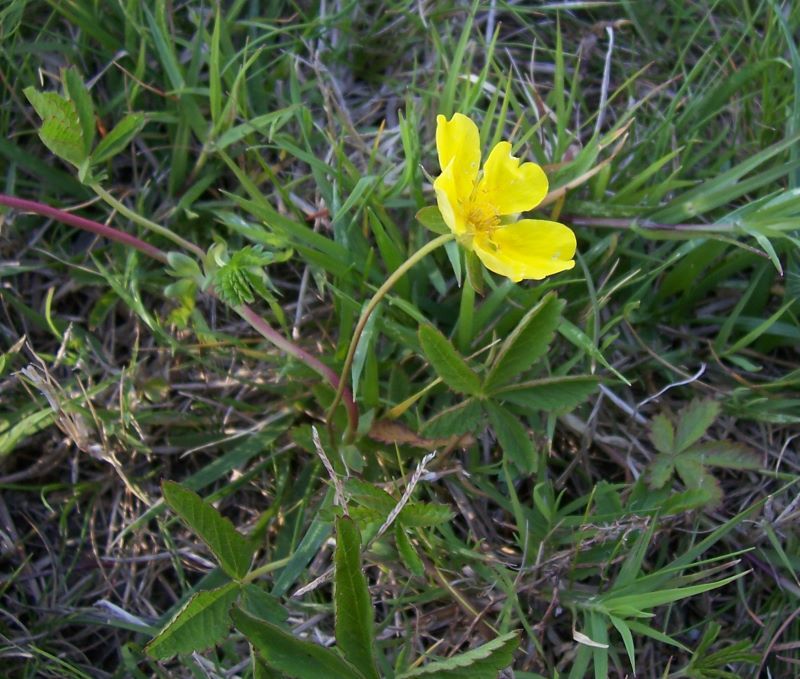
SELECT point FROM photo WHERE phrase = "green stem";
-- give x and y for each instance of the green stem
(371, 305)
(265, 569)
(146, 223)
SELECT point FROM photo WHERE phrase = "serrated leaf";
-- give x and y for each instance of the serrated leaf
(660, 471)
(230, 547)
(527, 343)
(447, 362)
(693, 421)
(119, 137)
(482, 662)
(368, 495)
(424, 514)
(462, 418)
(431, 219)
(79, 95)
(407, 553)
(662, 434)
(724, 454)
(355, 633)
(200, 624)
(551, 393)
(512, 437)
(695, 475)
(60, 131)
(295, 657)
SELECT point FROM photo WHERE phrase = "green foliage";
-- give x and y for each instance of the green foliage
(199, 624)
(355, 634)
(232, 550)
(679, 452)
(482, 662)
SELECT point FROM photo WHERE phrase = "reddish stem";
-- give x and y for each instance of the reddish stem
(246, 312)
(85, 224)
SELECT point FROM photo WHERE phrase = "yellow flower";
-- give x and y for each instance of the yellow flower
(477, 205)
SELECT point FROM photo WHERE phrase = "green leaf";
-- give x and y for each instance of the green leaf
(660, 471)
(60, 131)
(355, 634)
(201, 623)
(512, 437)
(526, 344)
(283, 651)
(627, 639)
(482, 662)
(407, 552)
(182, 266)
(230, 547)
(369, 495)
(116, 140)
(462, 418)
(363, 348)
(725, 454)
(695, 475)
(79, 95)
(447, 362)
(550, 393)
(662, 434)
(693, 421)
(431, 219)
(262, 604)
(424, 514)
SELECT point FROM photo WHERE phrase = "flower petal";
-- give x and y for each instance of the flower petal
(458, 141)
(509, 186)
(527, 249)
(447, 200)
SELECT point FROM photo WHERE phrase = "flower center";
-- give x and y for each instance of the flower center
(482, 217)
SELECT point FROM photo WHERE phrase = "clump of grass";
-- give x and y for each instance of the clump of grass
(290, 144)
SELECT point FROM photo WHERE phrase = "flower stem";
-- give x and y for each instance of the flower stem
(255, 321)
(388, 284)
(146, 223)
(82, 223)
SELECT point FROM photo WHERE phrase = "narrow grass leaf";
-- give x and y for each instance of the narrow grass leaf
(527, 343)
(447, 362)
(286, 653)
(200, 624)
(478, 663)
(230, 547)
(627, 639)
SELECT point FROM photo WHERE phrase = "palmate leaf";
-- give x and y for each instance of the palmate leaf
(447, 362)
(527, 343)
(230, 547)
(694, 421)
(201, 623)
(462, 418)
(483, 662)
(61, 130)
(355, 634)
(662, 434)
